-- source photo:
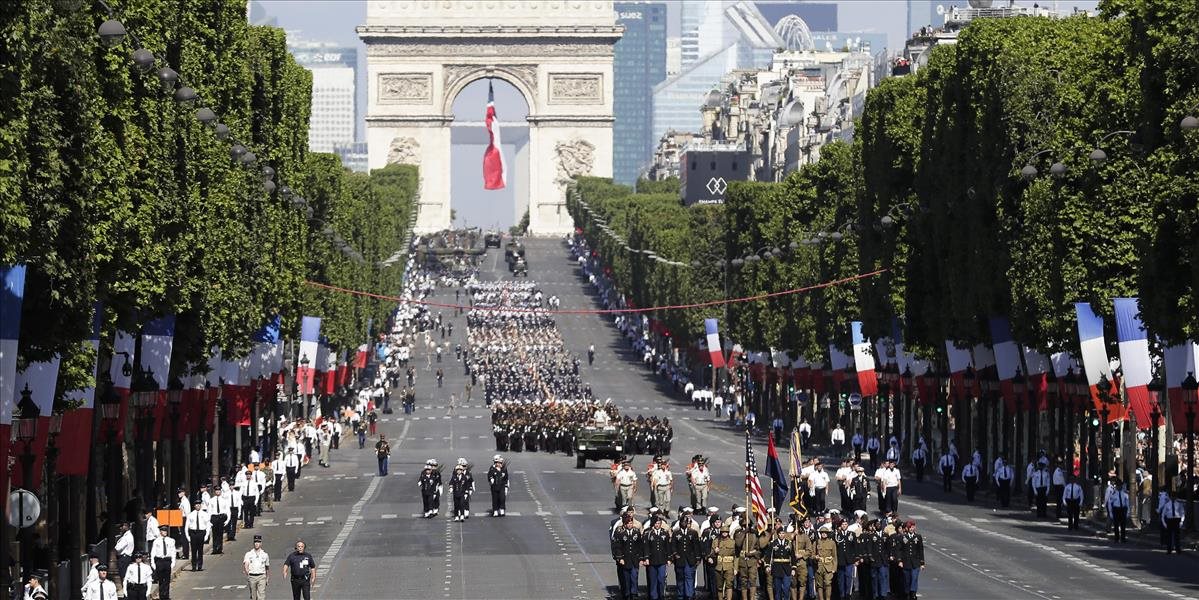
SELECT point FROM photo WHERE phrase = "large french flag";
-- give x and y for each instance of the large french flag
(863, 360)
(310, 338)
(1007, 359)
(42, 380)
(1038, 366)
(495, 172)
(1134, 358)
(713, 337)
(959, 361)
(76, 432)
(158, 337)
(839, 361)
(1095, 362)
(11, 299)
(212, 385)
(1181, 360)
(236, 390)
(361, 355)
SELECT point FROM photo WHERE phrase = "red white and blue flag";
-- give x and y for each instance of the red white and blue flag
(76, 433)
(863, 360)
(495, 172)
(310, 335)
(1095, 364)
(713, 337)
(12, 297)
(1181, 360)
(1134, 358)
(753, 489)
(1007, 359)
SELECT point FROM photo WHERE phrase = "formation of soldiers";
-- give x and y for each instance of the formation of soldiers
(829, 557)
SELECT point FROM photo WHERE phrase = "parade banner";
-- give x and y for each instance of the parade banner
(863, 360)
(1095, 363)
(41, 380)
(360, 356)
(212, 388)
(12, 297)
(753, 488)
(1007, 359)
(1134, 358)
(495, 171)
(237, 391)
(310, 335)
(76, 435)
(774, 470)
(1180, 361)
(983, 361)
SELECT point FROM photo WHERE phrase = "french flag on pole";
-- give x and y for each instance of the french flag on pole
(1094, 355)
(495, 172)
(1181, 360)
(1134, 358)
(77, 423)
(863, 360)
(1038, 366)
(158, 337)
(1007, 359)
(713, 337)
(310, 339)
(959, 361)
(12, 296)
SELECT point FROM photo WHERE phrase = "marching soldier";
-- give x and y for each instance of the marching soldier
(162, 559)
(909, 555)
(780, 556)
(137, 578)
(430, 488)
(659, 550)
(497, 479)
(825, 555)
(724, 559)
(688, 553)
(709, 534)
(625, 482)
(804, 552)
(749, 558)
(628, 551)
(662, 482)
(462, 485)
(256, 566)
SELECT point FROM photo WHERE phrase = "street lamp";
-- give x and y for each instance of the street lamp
(1019, 384)
(1098, 156)
(1156, 387)
(943, 409)
(112, 32)
(144, 59)
(1190, 396)
(24, 427)
(1102, 389)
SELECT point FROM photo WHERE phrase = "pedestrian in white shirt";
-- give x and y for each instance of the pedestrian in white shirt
(1173, 515)
(1072, 496)
(818, 482)
(837, 438)
(1116, 500)
(162, 560)
(100, 588)
(138, 577)
(151, 526)
(124, 548)
(1039, 484)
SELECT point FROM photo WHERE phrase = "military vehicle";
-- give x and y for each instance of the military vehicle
(520, 267)
(598, 442)
(491, 240)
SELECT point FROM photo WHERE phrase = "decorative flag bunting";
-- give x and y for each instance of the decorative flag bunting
(310, 335)
(237, 390)
(495, 172)
(1007, 359)
(984, 366)
(212, 384)
(158, 337)
(753, 488)
(713, 337)
(12, 297)
(76, 434)
(774, 470)
(1038, 366)
(1094, 356)
(796, 454)
(360, 356)
(1181, 360)
(41, 379)
(959, 361)
(863, 361)
(839, 361)
(1134, 358)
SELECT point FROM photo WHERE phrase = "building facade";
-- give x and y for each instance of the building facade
(334, 92)
(639, 65)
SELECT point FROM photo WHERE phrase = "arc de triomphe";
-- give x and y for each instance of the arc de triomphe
(558, 53)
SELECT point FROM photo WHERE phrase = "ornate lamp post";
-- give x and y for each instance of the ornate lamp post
(1156, 387)
(1019, 383)
(1105, 431)
(962, 413)
(1190, 396)
(943, 409)
(24, 428)
(143, 400)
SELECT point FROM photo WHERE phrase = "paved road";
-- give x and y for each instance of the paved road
(370, 542)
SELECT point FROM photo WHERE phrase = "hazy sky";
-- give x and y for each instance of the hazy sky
(335, 21)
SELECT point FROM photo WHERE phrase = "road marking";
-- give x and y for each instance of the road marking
(574, 512)
(389, 516)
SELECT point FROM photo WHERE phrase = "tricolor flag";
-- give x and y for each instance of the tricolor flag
(495, 172)
(1007, 359)
(1134, 358)
(212, 384)
(1181, 360)
(1094, 355)
(863, 360)
(12, 297)
(713, 337)
(1038, 366)
(236, 390)
(76, 434)
(959, 361)
(753, 489)
(310, 336)
(158, 337)
(774, 470)
(41, 379)
(360, 356)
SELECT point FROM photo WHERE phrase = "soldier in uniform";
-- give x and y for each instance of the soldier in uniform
(724, 559)
(825, 555)
(661, 484)
(430, 488)
(501, 437)
(688, 553)
(462, 485)
(780, 556)
(497, 479)
(628, 551)
(625, 482)
(659, 550)
(804, 552)
(909, 557)
(749, 558)
(709, 534)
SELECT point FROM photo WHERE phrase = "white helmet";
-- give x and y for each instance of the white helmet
(461, 462)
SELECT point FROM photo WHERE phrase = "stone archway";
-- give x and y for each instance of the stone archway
(558, 53)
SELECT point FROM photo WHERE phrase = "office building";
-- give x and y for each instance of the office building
(334, 95)
(639, 64)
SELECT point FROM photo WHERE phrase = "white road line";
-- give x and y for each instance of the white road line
(574, 512)
(389, 516)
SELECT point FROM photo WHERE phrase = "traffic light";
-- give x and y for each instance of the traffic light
(1095, 422)
(940, 409)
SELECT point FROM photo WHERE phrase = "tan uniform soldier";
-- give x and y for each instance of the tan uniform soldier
(826, 563)
(724, 556)
(256, 567)
(749, 558)
(804, 552)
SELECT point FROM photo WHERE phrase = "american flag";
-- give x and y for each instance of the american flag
(753, 489)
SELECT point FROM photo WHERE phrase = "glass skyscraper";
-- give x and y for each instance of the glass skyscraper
(640, 64)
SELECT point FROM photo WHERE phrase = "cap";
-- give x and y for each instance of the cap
(770, 511)
(854, 528)
(164, 528)
(40, 574)
(860, 513)
(910, 523)
(688, 510)
(497, 458)
(257, 538)
(102, 567)
(627, 509)
(461, 462)
(739, 510)
(713, 510)
(430, 463)
(653, 509)
(139, 554)
(826, 527)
